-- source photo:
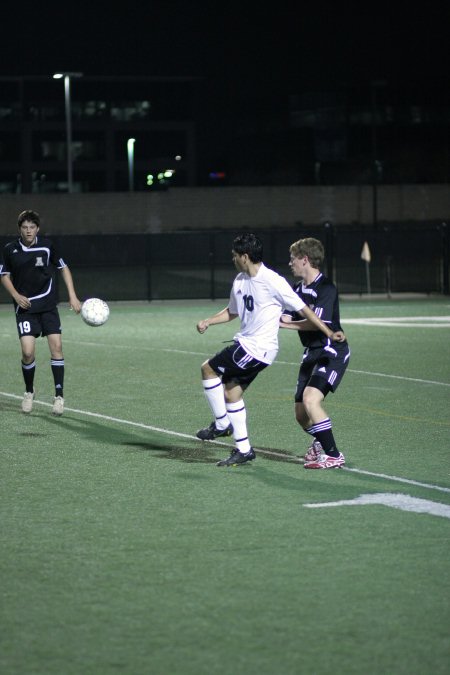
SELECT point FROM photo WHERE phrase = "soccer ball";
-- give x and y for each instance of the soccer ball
(94, 312)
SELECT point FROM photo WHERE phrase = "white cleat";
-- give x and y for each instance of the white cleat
(314, 451)
(326, 462)
(27, 402)
(58, 406)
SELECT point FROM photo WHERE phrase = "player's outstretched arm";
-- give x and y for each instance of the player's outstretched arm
(286, 321)
(68, 280)
(221, 317)
(337, 336)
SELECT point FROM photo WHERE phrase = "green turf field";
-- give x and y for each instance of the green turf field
(126, 550)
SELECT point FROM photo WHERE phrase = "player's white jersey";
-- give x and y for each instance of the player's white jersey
(259, 301)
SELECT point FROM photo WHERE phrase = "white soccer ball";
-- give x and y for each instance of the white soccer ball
(94, 312)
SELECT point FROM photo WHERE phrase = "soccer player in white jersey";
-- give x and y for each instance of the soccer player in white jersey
(323, 365)
(258, 297)
(27, 272)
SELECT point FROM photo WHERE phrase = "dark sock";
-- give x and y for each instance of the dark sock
(58, 376)
(332, 452)
(28, 370)
(324, 435)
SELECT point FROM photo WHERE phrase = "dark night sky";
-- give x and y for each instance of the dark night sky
(239, 46)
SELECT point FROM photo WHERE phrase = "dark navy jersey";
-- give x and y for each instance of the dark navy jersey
(322, 297)
(32, 271)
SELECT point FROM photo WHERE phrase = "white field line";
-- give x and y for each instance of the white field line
(270, 453)
(103, 345)
(403, 321)
(393, 377)
(407, 321)
(395, 501)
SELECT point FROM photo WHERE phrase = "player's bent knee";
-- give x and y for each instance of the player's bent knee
(207, 371)
(28, 356)
(312, 399)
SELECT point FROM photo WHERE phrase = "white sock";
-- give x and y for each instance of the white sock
(214, 395)
(237, 415)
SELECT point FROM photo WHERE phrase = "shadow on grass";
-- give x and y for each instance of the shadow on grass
(277, 455)
(306, 483)
(10, 406)
(136, 440)
(88, 432)
(188, 453)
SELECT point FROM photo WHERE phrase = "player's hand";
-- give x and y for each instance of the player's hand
(75, 304)
(23, 302)
(285, 318)
(338, 336)
(203, 325)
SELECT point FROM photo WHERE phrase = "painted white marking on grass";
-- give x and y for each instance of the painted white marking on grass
(277, 362)
(270, 453)
(408, 481)
(403, 321)
(182, 351)
(368, 372)
(107, 417)
(102, 345)
(400, 377)
(395, 501)
(149, 427)
(409, 325)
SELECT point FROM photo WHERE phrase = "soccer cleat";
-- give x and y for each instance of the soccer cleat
(326, 462)
(58, 405)
(314, 451)
(237, 458)
(27, 402)
(212, 432)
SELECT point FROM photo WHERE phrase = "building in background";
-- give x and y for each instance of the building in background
(160, 113)
(187, 135)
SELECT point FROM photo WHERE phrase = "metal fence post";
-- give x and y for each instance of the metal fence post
(148, 239)
(445, 259)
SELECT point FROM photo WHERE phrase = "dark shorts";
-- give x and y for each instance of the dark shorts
(234, 364)
(321, 371)
(41, 323)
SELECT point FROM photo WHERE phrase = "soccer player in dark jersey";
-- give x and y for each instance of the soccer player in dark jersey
(258, 297)
(28, 271)
(324, 363)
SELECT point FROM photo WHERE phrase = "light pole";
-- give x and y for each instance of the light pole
(130, 151)
(67, 77)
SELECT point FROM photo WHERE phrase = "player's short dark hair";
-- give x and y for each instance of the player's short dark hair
(32, 216)
(313, 248)
(249, 244)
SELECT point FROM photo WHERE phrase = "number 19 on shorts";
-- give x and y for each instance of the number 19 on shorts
(24, 327)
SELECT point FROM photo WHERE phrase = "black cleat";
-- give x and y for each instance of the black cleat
(237, 458)
(211, 432)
